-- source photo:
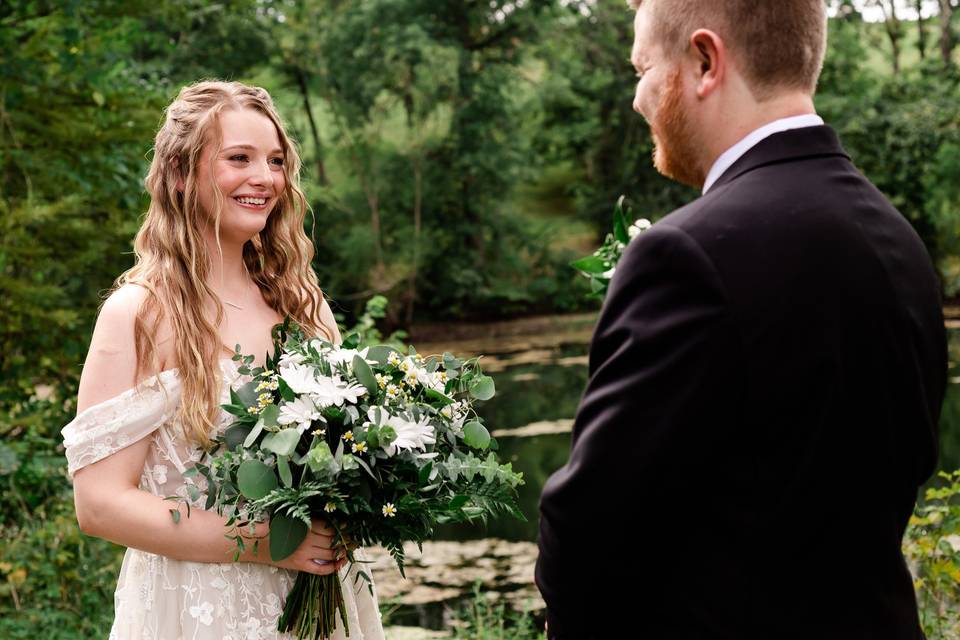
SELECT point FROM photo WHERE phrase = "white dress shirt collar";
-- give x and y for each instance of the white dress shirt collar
(734, 153)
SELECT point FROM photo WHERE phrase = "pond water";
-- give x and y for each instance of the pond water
(538, 389)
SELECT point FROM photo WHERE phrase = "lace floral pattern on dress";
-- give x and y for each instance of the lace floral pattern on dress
(161, 598)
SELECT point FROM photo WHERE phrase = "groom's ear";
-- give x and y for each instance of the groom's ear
(711, 56)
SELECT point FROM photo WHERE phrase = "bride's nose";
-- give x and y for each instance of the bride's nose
(260, 175)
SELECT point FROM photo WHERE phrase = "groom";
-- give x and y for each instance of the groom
(767, 371)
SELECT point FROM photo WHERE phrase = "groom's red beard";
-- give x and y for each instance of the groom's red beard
(675, 152)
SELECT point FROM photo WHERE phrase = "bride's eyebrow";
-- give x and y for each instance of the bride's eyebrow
(248, 147)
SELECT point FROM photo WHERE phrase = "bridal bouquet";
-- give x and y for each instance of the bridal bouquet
(380, 444)
(600, 266)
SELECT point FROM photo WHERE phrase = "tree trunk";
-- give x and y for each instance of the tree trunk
(894, 29)
(417, 226)
(947, 39)
(318, 146)
(921, 30)
(373, 201)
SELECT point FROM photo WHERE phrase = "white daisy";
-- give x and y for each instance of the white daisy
(301, 412)
(340, 356)
(410, 435)
(300, 378)
(333, 390)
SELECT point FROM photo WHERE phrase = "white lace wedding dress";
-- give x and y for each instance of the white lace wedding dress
(165, 599)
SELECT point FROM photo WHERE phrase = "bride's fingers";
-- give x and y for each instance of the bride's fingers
(320, 527)
(320, 569)
(322, 554)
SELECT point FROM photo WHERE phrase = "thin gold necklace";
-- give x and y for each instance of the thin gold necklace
(235, 306)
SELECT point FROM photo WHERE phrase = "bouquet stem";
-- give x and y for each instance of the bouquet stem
(312, 605)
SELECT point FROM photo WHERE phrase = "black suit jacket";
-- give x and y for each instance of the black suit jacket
(765, 384)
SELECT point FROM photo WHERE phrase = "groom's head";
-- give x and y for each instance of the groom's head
(711, 71)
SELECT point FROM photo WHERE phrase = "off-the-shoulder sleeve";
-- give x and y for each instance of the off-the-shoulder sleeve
(113, 424)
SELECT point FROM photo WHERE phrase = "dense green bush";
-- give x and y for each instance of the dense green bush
(932, 547)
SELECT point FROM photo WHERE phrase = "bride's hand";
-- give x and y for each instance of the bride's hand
(315, 555)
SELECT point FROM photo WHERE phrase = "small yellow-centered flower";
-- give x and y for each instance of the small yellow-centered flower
(348, 435)
(330, 507)
(359, 447)
(389, 511)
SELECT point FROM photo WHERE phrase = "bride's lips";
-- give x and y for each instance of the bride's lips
(254, 202)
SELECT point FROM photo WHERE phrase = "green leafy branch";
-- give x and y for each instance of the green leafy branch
(600, 266)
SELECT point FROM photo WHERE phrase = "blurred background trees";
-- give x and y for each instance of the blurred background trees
(457, 155)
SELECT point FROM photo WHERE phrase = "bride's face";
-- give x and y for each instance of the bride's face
(247, 170)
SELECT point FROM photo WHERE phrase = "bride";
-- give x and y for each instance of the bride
(220, 258)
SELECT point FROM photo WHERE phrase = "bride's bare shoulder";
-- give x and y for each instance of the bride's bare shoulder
(329, 321)
(110, 366)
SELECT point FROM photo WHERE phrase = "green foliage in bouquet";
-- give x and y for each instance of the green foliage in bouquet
(600, 266)
(382, 444)
(932, 548)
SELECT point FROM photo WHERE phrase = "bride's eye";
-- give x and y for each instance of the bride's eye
(276, 161)
(240, 157)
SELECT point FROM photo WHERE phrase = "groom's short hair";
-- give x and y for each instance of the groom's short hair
(779, 43)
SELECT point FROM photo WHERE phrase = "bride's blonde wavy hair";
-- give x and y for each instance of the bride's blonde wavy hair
(173, 263)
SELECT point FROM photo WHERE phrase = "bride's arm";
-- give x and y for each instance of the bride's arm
(108, 500)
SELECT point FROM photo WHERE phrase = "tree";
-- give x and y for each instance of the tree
(921, 29)
(893, 26)
(947, 35)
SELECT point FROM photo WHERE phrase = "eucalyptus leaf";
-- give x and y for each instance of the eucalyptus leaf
(483, 388)
(235, 435)
(255, 479)
(286, 534)
(364, 374)
(283, 466)
(253, 434)
(451, 362)
(380, 353)
(282, 443)
(248, 394)
(269, 415)
(476, 435)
